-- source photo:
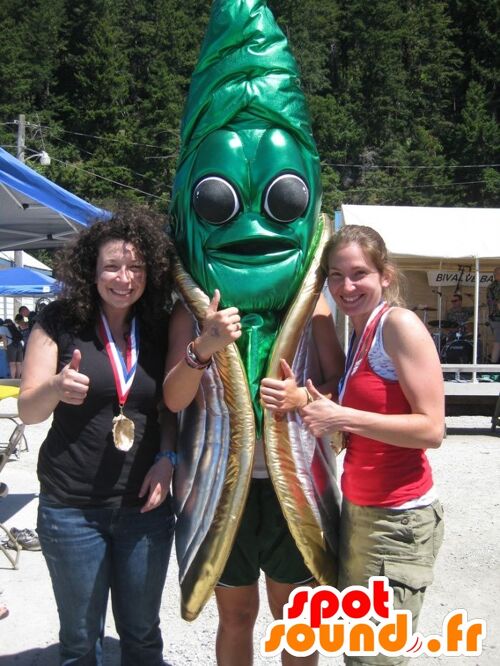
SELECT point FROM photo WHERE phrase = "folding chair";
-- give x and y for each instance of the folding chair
(13, 416)
(495, 419)
(11, 448)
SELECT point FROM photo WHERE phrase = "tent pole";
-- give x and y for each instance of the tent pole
(476, 319)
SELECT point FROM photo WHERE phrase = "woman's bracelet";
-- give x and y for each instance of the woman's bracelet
(192, 359)
(309, 397)
(171, 455)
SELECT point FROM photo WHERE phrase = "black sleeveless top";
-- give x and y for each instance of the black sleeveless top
(78, 464)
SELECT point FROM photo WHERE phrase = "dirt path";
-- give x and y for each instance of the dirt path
(467, 474)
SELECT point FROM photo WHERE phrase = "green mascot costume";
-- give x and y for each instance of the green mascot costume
(246, 220)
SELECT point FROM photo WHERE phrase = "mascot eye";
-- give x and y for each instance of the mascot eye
(215, 200)
(286, 198)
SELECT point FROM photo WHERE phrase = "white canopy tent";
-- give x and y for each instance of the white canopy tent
(425, 237)
(8, 260)
(432, 233)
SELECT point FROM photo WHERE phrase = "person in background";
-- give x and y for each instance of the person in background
(95, 362)
(493, 300)
(23, 326)
(390, 409)
(15, 352)
(459, 313)
(24, 311)
(29, 315)
(3, 335)
(4, 366)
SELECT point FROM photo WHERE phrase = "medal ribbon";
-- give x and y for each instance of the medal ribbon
(123, 369)
(354, 359)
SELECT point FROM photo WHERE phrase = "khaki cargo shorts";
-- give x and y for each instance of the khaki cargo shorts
(401, 544)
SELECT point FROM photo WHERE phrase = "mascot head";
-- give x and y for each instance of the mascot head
(247, 193)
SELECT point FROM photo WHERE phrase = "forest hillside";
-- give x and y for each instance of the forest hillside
(403, 95)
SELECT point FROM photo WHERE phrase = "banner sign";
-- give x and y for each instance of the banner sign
(451, 278)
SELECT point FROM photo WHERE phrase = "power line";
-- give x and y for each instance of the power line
(413, 187)
(409, 166)
(109, 180)
(121, 166)
(121, 140)
(368, 167)
(100, 138)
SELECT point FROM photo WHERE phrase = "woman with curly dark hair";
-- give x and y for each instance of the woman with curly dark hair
(95, 361)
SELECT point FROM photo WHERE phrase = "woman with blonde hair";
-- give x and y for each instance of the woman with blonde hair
(390, 410)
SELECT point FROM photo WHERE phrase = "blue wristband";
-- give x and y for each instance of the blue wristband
(171, 455)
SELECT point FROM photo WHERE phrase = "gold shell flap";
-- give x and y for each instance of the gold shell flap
(301, 467)
(216, 448)
(216, 443)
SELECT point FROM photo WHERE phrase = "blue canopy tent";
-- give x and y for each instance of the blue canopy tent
(21, 281)
(35, 212)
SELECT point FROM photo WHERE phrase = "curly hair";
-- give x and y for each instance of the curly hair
(373, 246)
(75, 267)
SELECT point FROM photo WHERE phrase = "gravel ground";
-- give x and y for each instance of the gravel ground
(467, 575)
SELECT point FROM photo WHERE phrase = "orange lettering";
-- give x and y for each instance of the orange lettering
(275, 636)
(362, 638)
(300, 638)
(394, 635)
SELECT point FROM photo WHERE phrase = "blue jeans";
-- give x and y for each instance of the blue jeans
(92, 551)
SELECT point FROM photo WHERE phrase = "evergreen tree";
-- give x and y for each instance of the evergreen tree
(403, 95)
(28, 66)
(478, 136)
(477, 35)
(311, 28)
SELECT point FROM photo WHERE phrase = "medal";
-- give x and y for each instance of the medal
(123, 373)
(338, 441)
(123, 431)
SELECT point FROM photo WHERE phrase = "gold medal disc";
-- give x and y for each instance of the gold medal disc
(338, 441)
(123, 432)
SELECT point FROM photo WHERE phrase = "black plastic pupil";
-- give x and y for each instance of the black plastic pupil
(214, 200)
(287, 198)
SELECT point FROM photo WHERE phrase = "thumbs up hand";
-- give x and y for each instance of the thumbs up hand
(313, 391)
(213, 306)
(282, 395)
(76, 359)
(72, 386)
(219, 329)
(322, 415)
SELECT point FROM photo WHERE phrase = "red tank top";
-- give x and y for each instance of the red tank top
(378, 474)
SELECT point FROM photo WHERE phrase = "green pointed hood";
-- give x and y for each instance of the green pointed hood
(247, 194)
(246, 122)
(245, 65)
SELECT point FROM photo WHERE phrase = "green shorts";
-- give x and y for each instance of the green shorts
(264, 542)
(401, 544)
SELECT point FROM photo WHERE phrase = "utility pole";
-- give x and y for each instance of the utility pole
(21, 143)
(21, 136)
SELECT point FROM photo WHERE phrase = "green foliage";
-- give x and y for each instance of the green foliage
(45, 256)
(403, 95)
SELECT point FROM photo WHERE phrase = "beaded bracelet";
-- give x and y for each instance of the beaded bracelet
(192, 359)
(171, 455)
